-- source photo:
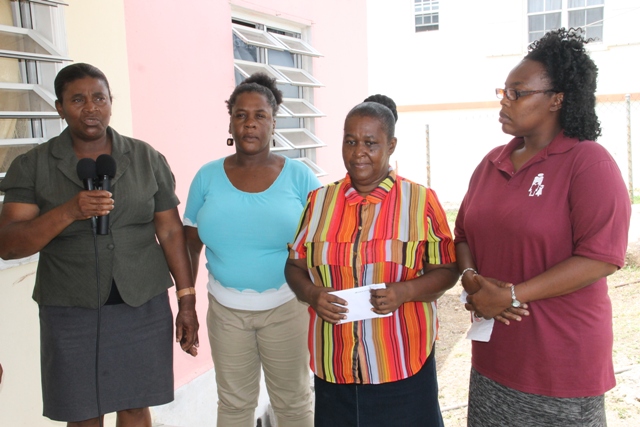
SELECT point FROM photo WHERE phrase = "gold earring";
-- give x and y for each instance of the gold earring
(229, 142)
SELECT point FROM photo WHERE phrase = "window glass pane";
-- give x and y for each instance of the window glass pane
(536, 23)
(22, 100)
(256, 37)
(553, 5)
(26, 46)
(20, 43)
(418, 20)
(281, 58)
(288, 123)
(552, 21)
(16, 129)
(595, 15)
(297, 76)
(577, 18)
(10, 152)
(297, 45)
(595, 32)
(594, 2)
(300, 138)
(10, 70)
(238, 76)
(248, 68)
(575, 3)
(435, 18)
(535, 6)
(241, 50)
(289, 91)
(301, 108)
(280, 144)
(535, 36)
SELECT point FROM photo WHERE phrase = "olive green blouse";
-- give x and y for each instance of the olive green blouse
(129, 254)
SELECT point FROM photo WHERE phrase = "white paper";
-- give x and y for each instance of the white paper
(358, 300)
(480, 329)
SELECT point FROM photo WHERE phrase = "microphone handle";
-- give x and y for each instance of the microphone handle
(103, 221)
(88, 185)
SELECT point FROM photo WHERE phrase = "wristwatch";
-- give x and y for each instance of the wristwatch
(514, 301)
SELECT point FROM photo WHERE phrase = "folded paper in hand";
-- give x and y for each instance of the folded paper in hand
(358, 300)
(480, 329)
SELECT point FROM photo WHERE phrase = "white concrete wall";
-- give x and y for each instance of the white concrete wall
(439, 78)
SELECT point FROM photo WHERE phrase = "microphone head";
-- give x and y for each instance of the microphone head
(86, 169)
(106, 165)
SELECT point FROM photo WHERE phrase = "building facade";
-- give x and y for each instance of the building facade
(171, 65)
(443, 78)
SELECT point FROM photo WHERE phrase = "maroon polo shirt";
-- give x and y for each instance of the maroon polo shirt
(569, 199)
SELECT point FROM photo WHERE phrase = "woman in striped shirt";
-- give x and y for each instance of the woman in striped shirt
(373, 227)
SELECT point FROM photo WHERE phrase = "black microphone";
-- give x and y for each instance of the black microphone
(106, 170)
(87, 172)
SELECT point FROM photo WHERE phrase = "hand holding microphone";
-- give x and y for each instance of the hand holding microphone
(91, 204)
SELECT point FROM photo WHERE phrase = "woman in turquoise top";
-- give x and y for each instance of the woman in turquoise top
(245, 209)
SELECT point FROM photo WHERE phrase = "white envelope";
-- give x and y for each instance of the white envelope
(480, 329)
(358, 302)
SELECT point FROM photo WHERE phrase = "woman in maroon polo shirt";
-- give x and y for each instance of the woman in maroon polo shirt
(544, 221)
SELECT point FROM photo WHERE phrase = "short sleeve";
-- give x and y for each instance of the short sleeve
(307, 183)
(19, 182)
(600, 213)
(439, 240)
(298, 249)
(458, 231)
(165, 198)
(195, 200)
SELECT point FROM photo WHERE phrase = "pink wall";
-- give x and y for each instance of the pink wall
(181, 71)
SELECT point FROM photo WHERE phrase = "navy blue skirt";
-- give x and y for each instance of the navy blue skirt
(409, 402)
(135, 360)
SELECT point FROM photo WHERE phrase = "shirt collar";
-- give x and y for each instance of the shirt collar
(558, 145)
(376, 196)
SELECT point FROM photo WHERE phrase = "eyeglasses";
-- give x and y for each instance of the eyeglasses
(513, 95)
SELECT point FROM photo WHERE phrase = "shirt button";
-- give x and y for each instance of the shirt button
(360, 228)
(110, 246)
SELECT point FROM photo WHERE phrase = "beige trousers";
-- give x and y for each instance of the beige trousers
(275, 340)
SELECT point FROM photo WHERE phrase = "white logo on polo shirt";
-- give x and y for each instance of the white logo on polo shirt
(536, 186)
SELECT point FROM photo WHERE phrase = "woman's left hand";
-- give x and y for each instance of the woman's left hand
(187, 329)
(387, 300)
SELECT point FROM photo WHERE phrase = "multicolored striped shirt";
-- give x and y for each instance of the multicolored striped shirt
(350, 241)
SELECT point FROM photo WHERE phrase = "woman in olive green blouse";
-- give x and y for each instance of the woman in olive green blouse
(46, 210)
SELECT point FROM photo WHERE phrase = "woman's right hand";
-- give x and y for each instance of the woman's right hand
(324, 304)
(89, 203)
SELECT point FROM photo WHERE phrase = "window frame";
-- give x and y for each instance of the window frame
(433, 11)
(28, 114)
(267, 37)
(564, 12)
(53, 54)
(314, 111)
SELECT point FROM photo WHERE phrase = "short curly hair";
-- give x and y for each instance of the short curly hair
(571, 71)
(380, 107)
(262, 84)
